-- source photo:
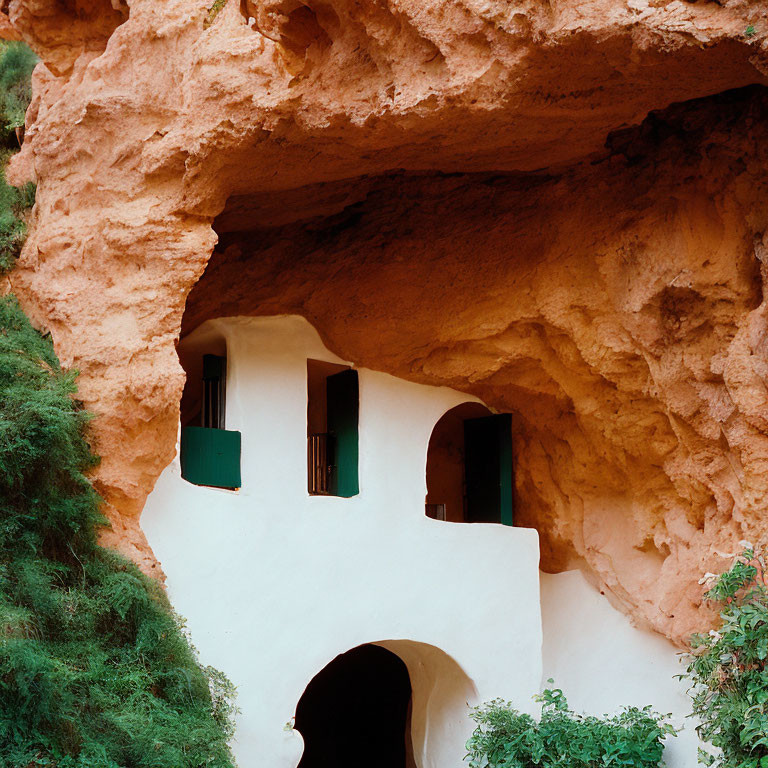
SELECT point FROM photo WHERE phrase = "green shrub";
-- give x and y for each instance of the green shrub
(507, 738)
(16, 64)
(728, 667)
(14, 202)
(95, 669)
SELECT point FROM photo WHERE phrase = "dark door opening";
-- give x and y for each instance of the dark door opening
(355, 712)
(470, 467)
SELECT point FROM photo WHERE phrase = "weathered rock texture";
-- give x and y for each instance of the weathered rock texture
(452, 192)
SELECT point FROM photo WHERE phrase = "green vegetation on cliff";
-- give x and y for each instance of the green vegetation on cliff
(16, 64)
(95, 669)
(14, 202)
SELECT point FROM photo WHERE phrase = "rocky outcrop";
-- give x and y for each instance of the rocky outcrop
(63, 31)
(451, 192)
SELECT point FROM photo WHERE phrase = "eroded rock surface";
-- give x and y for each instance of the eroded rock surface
(449, 191)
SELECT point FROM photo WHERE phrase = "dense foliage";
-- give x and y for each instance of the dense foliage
(16, 64)
(507, 738)
(95, 669)
(728, 667)
(14, 202)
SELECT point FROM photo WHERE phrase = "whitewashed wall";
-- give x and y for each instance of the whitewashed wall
(602, 662)
(275, 583)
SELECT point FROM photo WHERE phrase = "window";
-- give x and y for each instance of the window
(214, 391)
(210, 454)
(469, 467)
(332, 429)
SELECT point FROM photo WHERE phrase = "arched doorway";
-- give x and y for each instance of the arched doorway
(469, 467)
(356, 712)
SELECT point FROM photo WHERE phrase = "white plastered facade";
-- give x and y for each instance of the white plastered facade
(602, 662)
(275, 583)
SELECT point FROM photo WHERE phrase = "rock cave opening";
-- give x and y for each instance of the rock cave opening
(350, 257)
(611, 304)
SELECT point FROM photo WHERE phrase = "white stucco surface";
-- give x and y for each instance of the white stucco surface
(275, 583)
(602, 662)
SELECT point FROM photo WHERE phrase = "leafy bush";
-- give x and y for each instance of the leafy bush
(16, 64)
(507, 738)
(14, 202)
(728, 667)
(95, 669)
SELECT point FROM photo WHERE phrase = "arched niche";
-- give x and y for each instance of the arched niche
(415, 694)
(470, 467)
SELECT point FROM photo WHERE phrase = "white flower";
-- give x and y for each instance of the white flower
(744, 544)
(725, 554)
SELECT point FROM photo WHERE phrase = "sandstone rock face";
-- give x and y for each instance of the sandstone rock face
(453, 192)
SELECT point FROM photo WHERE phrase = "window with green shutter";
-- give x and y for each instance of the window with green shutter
(210, 454)
(488, 469)
(470, 472)
(333, 405)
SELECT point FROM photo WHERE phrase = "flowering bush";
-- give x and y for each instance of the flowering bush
(728, 666)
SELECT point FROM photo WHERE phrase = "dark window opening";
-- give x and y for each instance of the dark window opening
(214, 391)
(470, 467)
(210, 454)
(356, 712)
(333, 404)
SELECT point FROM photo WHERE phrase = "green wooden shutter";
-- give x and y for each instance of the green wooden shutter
(210, 457)
(343, 408)
(488, 469)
